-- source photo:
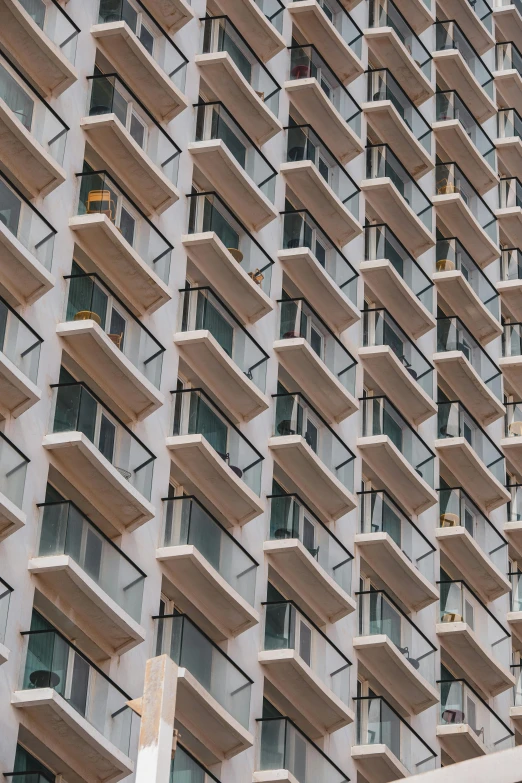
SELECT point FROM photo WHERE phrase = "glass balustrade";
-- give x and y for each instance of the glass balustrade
(511, 264)
(5, 599)
(380, 514)
(77, 409)
(188, 523)
(287, 628)
(452, 255)
(300, 230)
(290, 518)
(512, 339)
(484, 13)
(449, 106)
(185, 768)
(110, 95)
(381, 243)
(220, 35)
(30, 777)
(516, 3)
(208, 212)
(508, 58)
(448, 35)
(379, 724)
(29, 108)
(55, 23)
(13, 468)
(380, 417)
(382, 86)
(299, 320)
(65, 530)
(454, 421)
(516, 670)
(283, 746)
(19, 342)
(307, 63)
(457, 509)
(273, 10)
(516, 591)
(379, 328)
(459, 604)
(201, 309)
(460, 703)
(513, 419)
(100, 195)
(449, 180)
(509, 122)
(384, 13)
(153, 38)
(25, 223)
(51, 661)
(214, 121)
(514, 509)
(452, 335)
(178, 637)
(379, 615)
(381, 162)
(196, 414)
(88, 298)
(295, 416)
(304, 144)
(510, 192)
(343, 22)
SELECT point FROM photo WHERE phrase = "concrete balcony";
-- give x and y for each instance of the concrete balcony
(214, 582)
(44, 47)
(514, 616)
(467, 291)
(474, 639)
(336, 36)
(100, 595)
(137, 262)
(404, 289)
(396, 365)
(510, 285)
(172, 15)
(511, 366)
(418, 14)
(5, 600)
(508, 22)
(148, 77)
(462, 139)
(315, 685)
(402, 462)
(465, 214)
(329, 284)
(307, 561)
(212, 704)
(397, 122)
(459, 76)
(90, 736)
(12, 485)
(391, 52)
(469, 21)
(326, 374)
(19, 360)
(262, 33)
(508, 82)
(115, 481)
(230, 479)
(333, 114)
(312, 456)
(471, 544)
(235, 371)
(468, 370)
(333, 201)
(382, 756)
(404, 667)
(398, 555)
(396, 200)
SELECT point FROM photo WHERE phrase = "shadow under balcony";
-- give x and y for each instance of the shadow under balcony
(396, 553)
(223, 253)
(212, 575)
(307, 562)
(323, 101)
(213, 693)
(474, 638)
(123, 243)
(213, 459)
(308, 676)
(221, 353)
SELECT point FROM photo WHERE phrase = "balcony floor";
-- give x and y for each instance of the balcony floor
(508, 24)
(378, 764)
(451, 65)
(468, 386)
(255, 27)
(11, 517)
(471, 473)
(460, 222)
(23, 278)
(453, 287)
(17, 392)
(386, 47)
(511, 295)
(469, 22)
(172, 15)
(508, 85)
(509, 154)
(460, 742)
(386, 121)
(459, 147)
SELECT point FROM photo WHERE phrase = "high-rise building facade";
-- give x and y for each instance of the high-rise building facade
(260, 384)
